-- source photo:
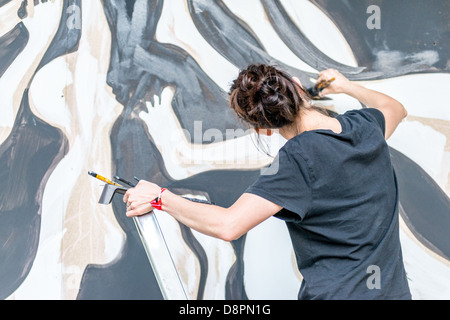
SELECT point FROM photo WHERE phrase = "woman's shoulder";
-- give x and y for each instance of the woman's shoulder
(372, 116)
(307, 141)
(303, 146)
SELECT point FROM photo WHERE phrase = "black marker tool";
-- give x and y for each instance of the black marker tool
(124, 181)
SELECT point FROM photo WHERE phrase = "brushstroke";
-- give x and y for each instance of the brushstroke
(11, 45)
(235, 288)
(197, 97)
(425, 207)
(198, 250)
(129, 276)
(233, 39)
(3, 2)
(22, 11)
(141, 67)
(217, 23)
(233, 184)
(66, 39)
(430, 32)
(301, 46)
(134, 153)
(27, 158)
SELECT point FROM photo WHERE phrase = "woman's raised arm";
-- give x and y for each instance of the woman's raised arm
(393, 111)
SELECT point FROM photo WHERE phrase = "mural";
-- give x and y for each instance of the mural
(139, 88)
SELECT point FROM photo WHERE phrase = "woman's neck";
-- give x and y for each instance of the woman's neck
(310, 119)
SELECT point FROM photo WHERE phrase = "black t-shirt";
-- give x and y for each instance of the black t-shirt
(339, 199)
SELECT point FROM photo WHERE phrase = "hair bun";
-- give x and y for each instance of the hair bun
(265, 97)
(251, 81)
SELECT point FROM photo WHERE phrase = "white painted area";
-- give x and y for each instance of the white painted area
(426, 96)
(183, 159)
(44, 282)
(341, 103)
(270, 268)
(80, 121)
(320, 30)
(392, 61)
(221, 258)
(41, 28)
(9, 20)
(45, 278)
(51, 105)
(428, 274)
(252, 13)
(422, 144)
(176, 27)
(423, 95)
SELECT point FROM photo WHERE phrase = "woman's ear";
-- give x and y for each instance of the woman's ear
(265, 132)
(303, 91)
(297, 81)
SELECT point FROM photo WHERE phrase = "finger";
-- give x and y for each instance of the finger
(321, 77)
(126, 196)
(141, 182)
(134, 211)
(324, 76)
(132, 203)
(324, 92)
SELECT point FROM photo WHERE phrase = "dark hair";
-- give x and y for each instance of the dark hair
(266, 97)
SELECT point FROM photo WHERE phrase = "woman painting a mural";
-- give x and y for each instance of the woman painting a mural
(334, 186)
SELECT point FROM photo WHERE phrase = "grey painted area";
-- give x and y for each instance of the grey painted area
(3, 2)
(424, 207)
(11, 45)
(27, 158)
(301, 45)
(408, 28)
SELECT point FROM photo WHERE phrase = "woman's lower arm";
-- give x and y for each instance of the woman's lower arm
(223, 223)
(208, 219)
(393, 110)
(370, 98)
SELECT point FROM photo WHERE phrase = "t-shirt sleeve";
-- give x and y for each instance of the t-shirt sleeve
(287, 184)
(375, 116)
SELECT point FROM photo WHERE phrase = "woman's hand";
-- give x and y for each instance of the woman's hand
(393, 110)
(138, 198)
(340, 84)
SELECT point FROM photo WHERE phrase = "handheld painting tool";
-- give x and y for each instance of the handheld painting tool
(124, 181)
(95, 175)
(315, 91)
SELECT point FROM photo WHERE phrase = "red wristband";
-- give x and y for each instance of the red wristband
(157, 203)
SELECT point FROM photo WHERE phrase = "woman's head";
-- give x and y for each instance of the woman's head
(266, 97)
